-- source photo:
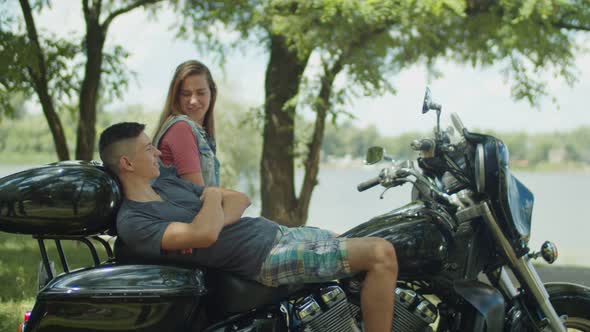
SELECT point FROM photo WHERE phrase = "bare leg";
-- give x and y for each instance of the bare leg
(377, 258)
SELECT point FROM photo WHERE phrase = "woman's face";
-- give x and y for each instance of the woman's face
(194, 97)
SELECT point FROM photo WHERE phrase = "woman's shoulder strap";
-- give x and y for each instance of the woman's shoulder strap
(172, 120)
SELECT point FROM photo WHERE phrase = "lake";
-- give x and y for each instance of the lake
(560, 212)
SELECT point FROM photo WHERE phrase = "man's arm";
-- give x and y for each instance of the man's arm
(234, 204)
(203, 231)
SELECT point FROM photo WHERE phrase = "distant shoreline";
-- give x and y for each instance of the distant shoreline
(542, 168)
(20, 163)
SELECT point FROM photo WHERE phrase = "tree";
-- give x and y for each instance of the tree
(50, 68)
(371, 40)
(285, 27)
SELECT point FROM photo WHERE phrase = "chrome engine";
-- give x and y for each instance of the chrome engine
(412, 312)
(332, 312)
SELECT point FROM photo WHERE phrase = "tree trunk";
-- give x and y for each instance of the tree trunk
(40, 84)
(312, 162)
(283, 76)
(95, 38)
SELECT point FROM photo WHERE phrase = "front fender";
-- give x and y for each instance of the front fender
(569, 298)
(487, 301)
(567, 289)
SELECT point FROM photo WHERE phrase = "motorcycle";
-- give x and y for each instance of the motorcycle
(462, 248)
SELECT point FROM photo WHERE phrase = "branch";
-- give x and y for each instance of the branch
(85, 8)
(113, 15)
(322, 105)
(569, 26)
(34, 38)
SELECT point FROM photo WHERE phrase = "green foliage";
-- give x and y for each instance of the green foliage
(378, 39)
(64, 66)
(530, 151)
(239, 142)
(27, 140)
(56, 70)
(346, 140)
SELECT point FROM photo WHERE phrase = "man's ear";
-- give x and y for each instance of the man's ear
(125, 163)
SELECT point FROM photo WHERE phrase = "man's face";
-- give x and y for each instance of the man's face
(145, 158)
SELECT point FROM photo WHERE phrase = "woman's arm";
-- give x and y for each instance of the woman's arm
(196, 178)
(234, 203)
(179, 148)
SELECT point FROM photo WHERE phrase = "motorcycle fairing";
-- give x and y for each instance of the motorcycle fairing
(511, 199)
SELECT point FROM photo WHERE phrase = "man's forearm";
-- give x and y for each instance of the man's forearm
(234, 204)
(210, 219)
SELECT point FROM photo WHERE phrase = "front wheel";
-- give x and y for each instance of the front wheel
(569, 300)
(574, 302)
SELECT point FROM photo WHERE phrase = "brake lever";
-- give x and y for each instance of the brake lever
(383, 193)
(393, 184)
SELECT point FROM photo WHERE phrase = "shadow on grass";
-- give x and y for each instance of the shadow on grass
(19, 264)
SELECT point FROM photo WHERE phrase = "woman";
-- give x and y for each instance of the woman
(186, 130)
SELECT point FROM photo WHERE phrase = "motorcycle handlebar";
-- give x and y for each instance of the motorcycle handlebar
(368, 184)
(424, 144)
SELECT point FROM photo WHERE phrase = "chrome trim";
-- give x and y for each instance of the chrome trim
(524, 271)
(480, 170)
(549, 252)
(506, 285)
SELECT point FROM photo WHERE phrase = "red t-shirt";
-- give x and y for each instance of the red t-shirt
(179, 148)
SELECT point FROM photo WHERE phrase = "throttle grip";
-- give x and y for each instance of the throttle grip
(368, 184)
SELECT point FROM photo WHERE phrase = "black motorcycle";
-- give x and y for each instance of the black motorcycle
(462, 246)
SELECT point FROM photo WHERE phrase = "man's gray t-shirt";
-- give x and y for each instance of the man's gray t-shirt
(241, 248)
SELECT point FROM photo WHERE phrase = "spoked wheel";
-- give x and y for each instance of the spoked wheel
(575, 304)
(570, 300)
(575, 324)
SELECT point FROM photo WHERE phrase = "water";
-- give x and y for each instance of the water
(560, 214)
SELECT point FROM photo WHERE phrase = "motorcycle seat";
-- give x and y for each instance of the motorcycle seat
(226, 292)
(231, 294)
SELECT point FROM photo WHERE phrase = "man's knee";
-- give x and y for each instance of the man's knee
(383, 254)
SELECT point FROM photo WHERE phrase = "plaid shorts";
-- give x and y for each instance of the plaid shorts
(305, 255)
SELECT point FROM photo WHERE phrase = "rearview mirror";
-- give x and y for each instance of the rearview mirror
(374, 155)
(428, 104)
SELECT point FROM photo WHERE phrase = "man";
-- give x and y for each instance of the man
(174, 215)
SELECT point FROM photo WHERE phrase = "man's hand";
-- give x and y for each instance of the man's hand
(203, 231)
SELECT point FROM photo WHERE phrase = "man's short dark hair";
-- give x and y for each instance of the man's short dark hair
(111, 142)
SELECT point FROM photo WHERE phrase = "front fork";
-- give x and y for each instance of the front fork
(524, 271)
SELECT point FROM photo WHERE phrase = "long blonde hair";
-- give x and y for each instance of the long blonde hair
(172, 106)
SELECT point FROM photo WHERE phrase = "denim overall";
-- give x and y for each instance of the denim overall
(206, 145)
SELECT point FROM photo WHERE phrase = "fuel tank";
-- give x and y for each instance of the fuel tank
(420, 233)
(66, 198)
(119, 298)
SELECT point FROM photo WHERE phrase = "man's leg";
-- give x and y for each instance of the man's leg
(377, 258)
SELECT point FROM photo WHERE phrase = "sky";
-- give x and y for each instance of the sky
(480, 96)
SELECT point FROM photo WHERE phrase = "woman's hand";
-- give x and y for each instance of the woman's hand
(211, 193)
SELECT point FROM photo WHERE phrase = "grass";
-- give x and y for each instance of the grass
(19, 261)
